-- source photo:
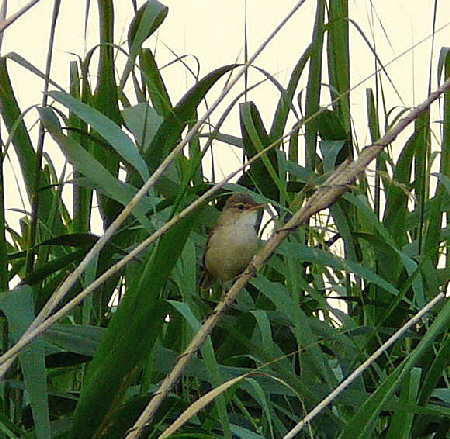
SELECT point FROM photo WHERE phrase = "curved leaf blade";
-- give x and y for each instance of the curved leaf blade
(121, 143)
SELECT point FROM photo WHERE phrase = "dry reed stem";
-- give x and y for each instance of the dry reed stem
(10, 20)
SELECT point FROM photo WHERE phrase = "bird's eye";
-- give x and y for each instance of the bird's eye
(241, 206)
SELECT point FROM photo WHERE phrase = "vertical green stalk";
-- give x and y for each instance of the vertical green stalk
(374, 129)
(445, 153)
(369, 316)
(40, 146)
(421, 164)
(106, 95)
(313, 87)
(3, 246)
(5, 390)
(433, 237)
(82, 196)
(106, 100)
(339, 59)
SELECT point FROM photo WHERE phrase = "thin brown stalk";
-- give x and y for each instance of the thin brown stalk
(9, 21)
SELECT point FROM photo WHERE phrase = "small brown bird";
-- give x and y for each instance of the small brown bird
(233, 241)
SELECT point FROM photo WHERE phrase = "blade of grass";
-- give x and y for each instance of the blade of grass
(18, 306)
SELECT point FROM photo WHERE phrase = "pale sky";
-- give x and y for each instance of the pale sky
(213, 31)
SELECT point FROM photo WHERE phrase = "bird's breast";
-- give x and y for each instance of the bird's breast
(230, 249)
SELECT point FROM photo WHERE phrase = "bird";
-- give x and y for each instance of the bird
(232, 242)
